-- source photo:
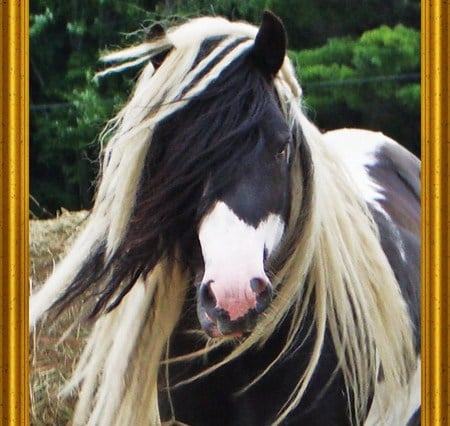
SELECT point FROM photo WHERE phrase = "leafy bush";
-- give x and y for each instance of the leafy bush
(370, 82)
(68, 110)
(334, 58)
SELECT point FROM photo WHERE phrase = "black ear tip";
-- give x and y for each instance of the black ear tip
(270, 43)
(155, 31)
(270, 18)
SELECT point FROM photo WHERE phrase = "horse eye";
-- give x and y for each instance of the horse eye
(283, 150)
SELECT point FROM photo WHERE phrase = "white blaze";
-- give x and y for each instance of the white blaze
(233, 251)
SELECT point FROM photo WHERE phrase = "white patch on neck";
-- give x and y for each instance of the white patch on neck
(357, 150)
(233, 251)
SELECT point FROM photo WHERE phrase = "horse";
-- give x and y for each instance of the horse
(241, 267)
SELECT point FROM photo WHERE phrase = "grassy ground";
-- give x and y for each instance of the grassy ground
(51, 362)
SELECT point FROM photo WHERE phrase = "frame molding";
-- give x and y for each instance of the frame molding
(14, 405)
(435, 139)
(14, 93)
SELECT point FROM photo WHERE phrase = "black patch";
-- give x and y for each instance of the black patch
(214, 399)
(263, 183)
(397, 171)
(394, 239)
(415, 419)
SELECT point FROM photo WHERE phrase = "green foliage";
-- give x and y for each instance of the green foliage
(387, 50)
(39, 22)
(371, 82)
(409, 97)
(65, 43)
(233, 9)
(312, 23)
(67, 159)
(338, 50)
(335, 46)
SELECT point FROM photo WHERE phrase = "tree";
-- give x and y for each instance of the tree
(370, 82)
(68, 109)
(333, 43)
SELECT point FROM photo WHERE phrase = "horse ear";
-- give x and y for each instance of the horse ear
(270, 43)
(153, 32)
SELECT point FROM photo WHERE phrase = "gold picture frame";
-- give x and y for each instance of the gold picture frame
(14, 213)
(435, 82)
(435, 140)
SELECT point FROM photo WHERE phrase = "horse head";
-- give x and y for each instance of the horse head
(246, 218)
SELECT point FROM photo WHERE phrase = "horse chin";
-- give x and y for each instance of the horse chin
(214, 330)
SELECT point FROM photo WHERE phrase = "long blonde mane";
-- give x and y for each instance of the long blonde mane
(338, 264)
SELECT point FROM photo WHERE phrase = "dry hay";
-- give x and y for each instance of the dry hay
(51, 361)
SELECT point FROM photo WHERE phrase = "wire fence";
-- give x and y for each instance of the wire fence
(404, 78)
(401, 78)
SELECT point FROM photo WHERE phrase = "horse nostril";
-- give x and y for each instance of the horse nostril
(263, 291)
(206, 295)
(259, 285)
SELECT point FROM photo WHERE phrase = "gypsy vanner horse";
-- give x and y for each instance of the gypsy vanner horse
(241, 267)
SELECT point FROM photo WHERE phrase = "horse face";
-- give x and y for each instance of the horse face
(246, 218)
(241, 231)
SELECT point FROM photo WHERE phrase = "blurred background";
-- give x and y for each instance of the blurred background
(358, 62)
